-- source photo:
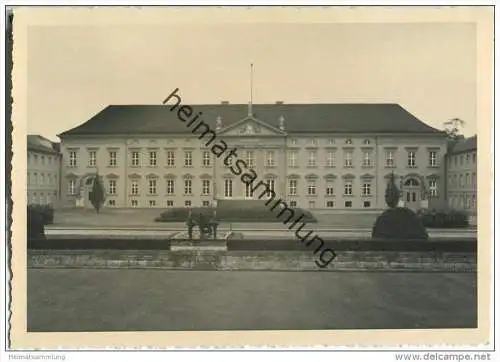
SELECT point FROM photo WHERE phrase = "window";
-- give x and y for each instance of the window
(348, 188)
(188, 158)
(152, 203)
(348, 204)
(152, 187)
(348, 141)
(412, 159)
(35, 178)
(42, 179)
(42, 158)
(461, 184)
(188, 187)
(270, 186)
(205, 186)
(72, 187)
(348, 159)
(467, 179)
(248, 190)
(432, 159)
(367, 159)
(311, 159)
(72, 159)
(293, 203)
(134, 203)
(292, 187)
(312, 204)
(187, 203)
(270, 161)
(112, 187)
(92, 158)
(366, 142)
(112, 203)
(152, 158)
(330, 191)
(473, 158)
(205, 203)
(135, 159)
(311, 187)
(206, 158)
(228, 188)
(467, 156)
(293, 141)
(292, 158)
(250, 160)
(461, 159)
(367, 204)
(314, 142)
(367, 189)
(331, 141)
(35, 158)
(170, 203)
(474, 180)
(433, 188)
(170, 187)
(170, 158)
(330, 204)
(473, 200)
(330, 159)
(112, 158)
(135, 188)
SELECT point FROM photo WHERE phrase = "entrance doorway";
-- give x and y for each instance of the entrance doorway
(411, 194)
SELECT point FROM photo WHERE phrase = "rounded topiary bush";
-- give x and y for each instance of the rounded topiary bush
(399, 223)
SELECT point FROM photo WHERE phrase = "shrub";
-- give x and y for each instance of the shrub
(180, 214)
(392, 193)
(46, 211)
(444, 219)
(35, 225)
(399, 223)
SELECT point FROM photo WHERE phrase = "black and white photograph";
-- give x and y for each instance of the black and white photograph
(252, 169)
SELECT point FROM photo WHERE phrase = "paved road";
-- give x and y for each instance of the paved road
(139, 300)
(249, 233)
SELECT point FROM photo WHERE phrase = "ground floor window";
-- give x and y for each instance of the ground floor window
(367, 204)
(112, 203)
(206, 203)
(152, 203)
(187, 203)
(134, 203)
(170, 203)
(330, 204)
(293, 203)
(348, 203)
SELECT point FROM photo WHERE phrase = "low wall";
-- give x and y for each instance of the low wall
(254, 260)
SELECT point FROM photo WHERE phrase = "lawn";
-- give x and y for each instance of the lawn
(86, 300)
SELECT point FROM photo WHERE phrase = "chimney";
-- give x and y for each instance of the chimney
(224, 102)
(279, 102)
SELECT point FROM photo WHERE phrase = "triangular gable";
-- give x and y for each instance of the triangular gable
(250, 126)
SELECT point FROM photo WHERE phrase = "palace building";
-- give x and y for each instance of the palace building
(43, 171)
(313, 156)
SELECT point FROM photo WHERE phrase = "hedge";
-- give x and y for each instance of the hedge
(443, 219)
(46, 211)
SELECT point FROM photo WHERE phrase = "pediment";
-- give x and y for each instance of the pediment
(250, 126)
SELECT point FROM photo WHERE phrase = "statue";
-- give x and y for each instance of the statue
(190, 224)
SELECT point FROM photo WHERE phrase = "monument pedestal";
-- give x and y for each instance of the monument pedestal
(196, 245)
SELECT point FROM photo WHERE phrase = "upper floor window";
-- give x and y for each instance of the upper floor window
(389, 158)
(42, 158)
(153, 160)
(72, 159)
(170, 187)
(348, 159)
(188, 158)
(367, 159)
(314, 142)
(311, 187)
(292, 158)
(433, 191)
(188, 187)
(206, 158)
(330, 190)
(432, 158)
(348, 141)
(474, 158)
(112, 158)
(292, 187)
(270, 160)
(348, 188)
(205, 187)
(228, 188)
(112, 187)
(367, 189)
(72, 187)
(366, 142)
(412, 161)
(330, 160)
(135, 158)
(92, 158)
(250, 159)
(311, 159)
(170, 158)
(134, 187)
(152, 187)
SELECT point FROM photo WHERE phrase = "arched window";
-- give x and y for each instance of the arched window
(411, 182)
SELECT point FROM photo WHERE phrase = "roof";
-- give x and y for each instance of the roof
(467, 144)
(299, 118)
(38, 143)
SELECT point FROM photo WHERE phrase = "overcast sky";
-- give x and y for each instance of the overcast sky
(75, 71)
